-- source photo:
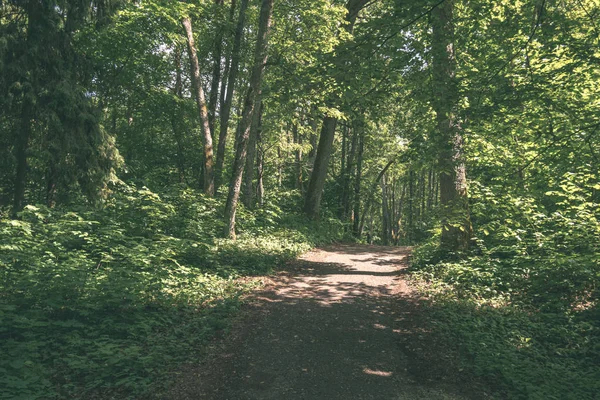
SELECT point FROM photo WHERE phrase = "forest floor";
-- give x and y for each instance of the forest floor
(341, 322)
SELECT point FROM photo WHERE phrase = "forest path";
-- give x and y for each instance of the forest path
(329, 327)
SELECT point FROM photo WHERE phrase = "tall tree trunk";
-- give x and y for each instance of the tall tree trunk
(260, 59)
(209, 180)
(357, 182)
(249, 192)
(316, 184)
(318, 176)
(411, 195)
(456, 226)
(227, 100)
(347, 182)
(313, 142)
(298, 164)
(216, 75)
(385, 212)
(178, 91)
(180, 146)
(21, 156)
(260, 169)
(430, 189)
(368, 207)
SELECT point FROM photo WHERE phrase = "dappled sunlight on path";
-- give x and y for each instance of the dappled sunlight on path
(328, 327)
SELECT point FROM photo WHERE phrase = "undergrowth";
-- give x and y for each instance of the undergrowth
(98, 303)
(521, 309)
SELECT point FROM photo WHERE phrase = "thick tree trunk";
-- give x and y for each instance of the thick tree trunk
(316, 184)
(209, 181)
(227, 99)
(260, 59)
(318, 175)
(456, 226)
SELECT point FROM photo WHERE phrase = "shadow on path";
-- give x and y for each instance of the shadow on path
(329, 327)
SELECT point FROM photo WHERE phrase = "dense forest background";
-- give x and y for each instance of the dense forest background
(153, 152)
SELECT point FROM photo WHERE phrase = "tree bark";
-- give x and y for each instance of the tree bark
(357, 183)
(249, 189)
(260, 59)
(227, 100)
(209, 181)
(298, 164)
(370, 199)
(385, 212)
(316, 184)
(456, 226)
(347, 182)
(21, 157)
(411, 195)
(216, 74)
(260, 168)
(318, 176)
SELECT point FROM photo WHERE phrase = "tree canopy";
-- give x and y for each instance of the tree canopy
(467, 128)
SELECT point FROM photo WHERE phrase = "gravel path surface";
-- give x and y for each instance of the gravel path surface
(330, 327)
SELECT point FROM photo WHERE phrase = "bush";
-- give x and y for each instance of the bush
(109, 301)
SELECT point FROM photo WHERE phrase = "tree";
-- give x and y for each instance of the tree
(227, 95)
(209, 179)
(316, 184)
(250, 103)
(456, 226)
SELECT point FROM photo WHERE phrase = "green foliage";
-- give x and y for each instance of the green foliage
(108, 301)
(523, 306)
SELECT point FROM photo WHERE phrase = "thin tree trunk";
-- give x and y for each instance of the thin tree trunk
(456, 226)
(393, 210)
(411, 194)
(313, 143)
(357, 183)
(399, 218)
(180, 147)
(430, 189)
(298, 163)
(249, 192)
(260, 59)
(216, 75)
(21, 157)
(227, 100)
(178, 90)
(347, 182)
(260, 168)
(371, 197)
(279, 166)
(209, 181)
(385, 212)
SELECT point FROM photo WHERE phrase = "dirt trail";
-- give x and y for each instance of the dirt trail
(327, 328)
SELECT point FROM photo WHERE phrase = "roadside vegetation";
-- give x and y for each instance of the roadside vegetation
(156, 155)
